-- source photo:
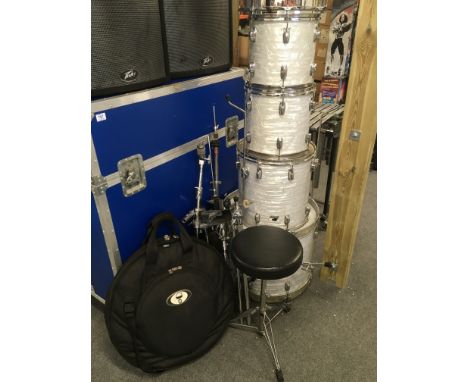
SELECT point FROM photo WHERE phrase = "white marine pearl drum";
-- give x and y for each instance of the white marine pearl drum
(276, 290)
(277, 120)
(282, 48)
(274, 191)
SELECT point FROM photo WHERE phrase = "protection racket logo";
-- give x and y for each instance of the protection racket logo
(179, 297)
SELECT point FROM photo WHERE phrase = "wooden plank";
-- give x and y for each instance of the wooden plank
(354, 156)
(235, 28)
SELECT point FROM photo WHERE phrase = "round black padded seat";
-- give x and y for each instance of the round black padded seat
(267, 252)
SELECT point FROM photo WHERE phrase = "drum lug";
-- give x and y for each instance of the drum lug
(249, 104)
(287, 219)
(282, 107)
(286, 34)
(316, 34)
(308, 138)
(284, 72)
(314, 164)
(244, 172)
(279, 143)
(311, 105)
(238, 165)
(259, 172)
(257, 218)
(253, 34)
(307, 212)
(248, 138)
(313, 68)
(291, 173)
(251, 69)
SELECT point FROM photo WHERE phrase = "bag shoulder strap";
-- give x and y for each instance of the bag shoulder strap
(129, 310)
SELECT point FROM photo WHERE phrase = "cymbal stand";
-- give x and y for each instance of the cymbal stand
(199, 188)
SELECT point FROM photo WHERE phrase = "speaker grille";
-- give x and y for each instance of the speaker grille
(126, 45)
(198, 35)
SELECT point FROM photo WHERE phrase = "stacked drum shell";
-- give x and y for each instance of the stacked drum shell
(275, 157)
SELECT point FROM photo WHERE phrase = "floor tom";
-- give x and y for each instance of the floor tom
(274, 191)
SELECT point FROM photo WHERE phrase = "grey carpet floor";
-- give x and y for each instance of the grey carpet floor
(329, 335)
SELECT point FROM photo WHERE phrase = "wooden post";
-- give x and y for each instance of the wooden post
(235, 29)
(357, 139)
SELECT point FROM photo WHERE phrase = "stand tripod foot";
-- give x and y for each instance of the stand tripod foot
(286, 307)
(323, 222)
(279, 375)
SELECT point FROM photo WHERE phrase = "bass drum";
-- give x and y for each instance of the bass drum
(274, 191)
(298, 282)
(277, 120)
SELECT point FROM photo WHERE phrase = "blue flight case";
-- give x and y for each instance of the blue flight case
(151, 136)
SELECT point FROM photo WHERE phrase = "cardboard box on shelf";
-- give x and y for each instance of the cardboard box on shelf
(325, 18)
(321, 52)
(324, 35)
(330, 4)
(243, 46)
(333, 90)
(320, 70)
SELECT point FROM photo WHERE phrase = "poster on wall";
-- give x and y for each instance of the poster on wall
(340, 38)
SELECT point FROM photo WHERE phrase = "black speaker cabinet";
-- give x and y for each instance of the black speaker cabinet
(198, 36)
(128, 49)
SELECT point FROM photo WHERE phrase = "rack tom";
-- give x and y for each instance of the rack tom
(277, 120)
(282, 45)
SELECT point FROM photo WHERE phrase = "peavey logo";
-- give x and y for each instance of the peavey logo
(179, 297)
(129, 75)
(207, 61)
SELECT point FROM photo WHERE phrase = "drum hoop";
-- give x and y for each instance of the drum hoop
(306, 230)
(274, 160)
(275, 91)
(283, 14)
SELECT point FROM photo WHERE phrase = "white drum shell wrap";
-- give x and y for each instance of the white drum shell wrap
(274, 195)
(269, 52)
(300, 279)
(265, 125)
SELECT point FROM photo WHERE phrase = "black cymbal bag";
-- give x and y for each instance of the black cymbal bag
(171, 301)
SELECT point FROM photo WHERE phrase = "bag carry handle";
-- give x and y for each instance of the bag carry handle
(152, 250)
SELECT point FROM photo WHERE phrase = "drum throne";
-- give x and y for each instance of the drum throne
(265, 253)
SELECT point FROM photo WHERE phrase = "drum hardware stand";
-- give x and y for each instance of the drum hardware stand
(201, 162)
(195, 214)
(230, 103)
(319, 145)
(331, 138)
(214, 142)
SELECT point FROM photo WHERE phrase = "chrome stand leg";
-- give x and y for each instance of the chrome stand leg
(239, 294)
(246, 294)
(264, 327)
(261, 320)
